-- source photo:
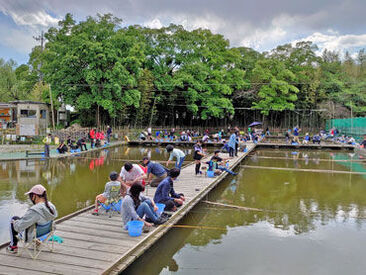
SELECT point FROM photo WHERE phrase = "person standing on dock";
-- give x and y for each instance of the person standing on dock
(296, 134)
(197, 156)
(232, 144)
(92, 137)
(154, 169)
(175, 153)
(47, 141)
(165, 192)
(109, 132)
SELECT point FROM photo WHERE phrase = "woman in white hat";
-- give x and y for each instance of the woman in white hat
(40, 213)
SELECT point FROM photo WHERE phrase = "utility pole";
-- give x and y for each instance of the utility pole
(52, 111)
(41, 39)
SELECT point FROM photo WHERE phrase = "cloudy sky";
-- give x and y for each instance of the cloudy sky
(260, 24)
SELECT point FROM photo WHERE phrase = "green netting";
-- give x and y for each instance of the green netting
(355, 127)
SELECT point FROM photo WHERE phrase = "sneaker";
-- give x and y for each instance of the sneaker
(168, 213)
(165, 215)
(95, 212)
(160, 220)
(12, 249)
(148, 220)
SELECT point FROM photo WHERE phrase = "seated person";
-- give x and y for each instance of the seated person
(316, 139)
(155, 172)
(68, 141)
(225, 148)
(62, 148)
(81, 143)
(108, 189)
(363, 143)
(165, 192)
(130, 174)
(42, 212)
(213, 166)
(142, 136)
(306, 139)
(351, 140)
(135, 206)
(72, 144)
(220, 163)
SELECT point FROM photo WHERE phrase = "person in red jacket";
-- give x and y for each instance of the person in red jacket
(92, 137)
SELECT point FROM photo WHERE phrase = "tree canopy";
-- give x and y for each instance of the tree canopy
(137, 75)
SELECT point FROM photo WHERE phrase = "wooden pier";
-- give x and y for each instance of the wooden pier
(329, 146)
(99, 244)
(264, 144)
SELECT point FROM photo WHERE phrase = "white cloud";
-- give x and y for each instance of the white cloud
(336, 42)
(21, 41)
(154, 24)
(40, 18)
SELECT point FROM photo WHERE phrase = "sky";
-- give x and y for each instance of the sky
(261, 24)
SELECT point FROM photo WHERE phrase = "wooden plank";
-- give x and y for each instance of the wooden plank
(4, 269)
(93, 232)
(65, 249)
(93, 246)
(304, 170)
(102, 228)
(311, 158)
(49, 266)
(97, 239)
(71, 260)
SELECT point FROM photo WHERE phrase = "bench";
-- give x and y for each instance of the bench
(28, 153)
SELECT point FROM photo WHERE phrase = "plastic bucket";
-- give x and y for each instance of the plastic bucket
(135, 228)
(227, 165)
(160, 207)
(210, 174)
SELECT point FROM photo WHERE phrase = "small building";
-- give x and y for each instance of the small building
(7, 115)
(32, 117)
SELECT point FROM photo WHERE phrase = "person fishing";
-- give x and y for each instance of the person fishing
(197, 156)
(175, 153)
(42, 212)
(135, 206)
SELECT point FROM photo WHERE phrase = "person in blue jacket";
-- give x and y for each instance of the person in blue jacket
(166, 194)
(232, 144)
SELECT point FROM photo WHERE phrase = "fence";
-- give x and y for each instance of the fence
(355, 127)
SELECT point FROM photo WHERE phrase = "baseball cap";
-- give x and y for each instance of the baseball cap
(37, 189)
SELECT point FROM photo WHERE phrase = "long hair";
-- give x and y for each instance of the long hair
(44, 195)
(135, 191)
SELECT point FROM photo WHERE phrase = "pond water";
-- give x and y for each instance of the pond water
(71, 183)
(311, 223)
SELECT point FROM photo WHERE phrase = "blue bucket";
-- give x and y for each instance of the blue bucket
(227, 165)
(160, 207)
(135, 228)
(210, 174)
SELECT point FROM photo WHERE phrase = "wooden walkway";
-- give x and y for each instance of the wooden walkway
(330, 146)
(98, 244)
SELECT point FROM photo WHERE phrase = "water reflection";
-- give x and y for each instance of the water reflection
(72, 183)
(311, 222)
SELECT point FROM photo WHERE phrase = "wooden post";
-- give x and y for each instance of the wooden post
(52, 110)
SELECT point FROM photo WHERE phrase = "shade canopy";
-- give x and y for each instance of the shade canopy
(255, 123)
